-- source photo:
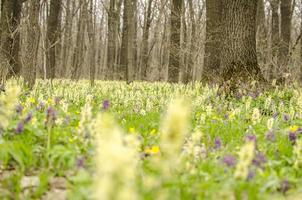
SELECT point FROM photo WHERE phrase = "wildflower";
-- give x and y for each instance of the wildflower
(251, 174)
(275, 115)
(19, 109)
(251, 138)
(152, 150)
(51, 116)
(117, 161)
(292, 137)
(298, 154)
(229, 160)
(246, 156)
(106, 105)
(217, 143)
(259, 160)
(153, 132)
(20, 127)
(81, 162)
(286, 117)
(284, 186)
(270, 123)
(8, 102)
(175, 127)
(131, 130)
(31, 100)
(294, 128)
(256, 116)
(28, 117)
(270, 136)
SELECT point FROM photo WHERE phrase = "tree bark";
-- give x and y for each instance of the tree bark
(213, 41)
(145, 41)
(285, 8)
(52, 37)
(126, 69)
(175, 45)
(10, 38)
(238, 50)
(33, 38)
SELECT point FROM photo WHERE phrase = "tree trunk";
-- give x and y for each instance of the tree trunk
(52, 37)
(175, 46)
(238, 51)
(285, 8)
(261, 34)
(33, 38)
(126, 70)
(112, 37)
(145, 42)
(275, 37)
(10, 38)
(213, 41)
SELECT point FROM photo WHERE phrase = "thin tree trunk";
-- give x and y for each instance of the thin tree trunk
(175, 44)
(52, 37)
(285, 8)
(145, 40)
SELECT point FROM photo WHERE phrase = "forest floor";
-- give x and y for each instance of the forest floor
(58, 142)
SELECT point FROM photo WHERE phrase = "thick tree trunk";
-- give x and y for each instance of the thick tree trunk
(285, 8)
(238, 52)
(52, 37)
(10, 38)
(213, 41)
(33, 38)
(145, 41)
(175, 46)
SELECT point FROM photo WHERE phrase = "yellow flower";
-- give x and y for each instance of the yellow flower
(50, 101)
(293, 128)
(32, 100)
(152, 150)
(153, 132)
(132, 130)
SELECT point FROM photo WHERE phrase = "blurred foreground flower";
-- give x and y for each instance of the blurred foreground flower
(117, 160)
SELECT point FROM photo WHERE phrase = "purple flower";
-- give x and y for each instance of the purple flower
(218, 143)
(51, 116)
(259, 160)
(251, 175)
(28, 117)
(292, 137)
(299, 130)
(41, 106)
(270, 136)
(19, 109)
(106, 105)
(229, 160)
(284, 186)
(250, 138)
(57, 100)
(286, 117)
(275, 115)
(20, 127)
(81, 162)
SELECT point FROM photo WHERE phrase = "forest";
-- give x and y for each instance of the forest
(150, 99)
